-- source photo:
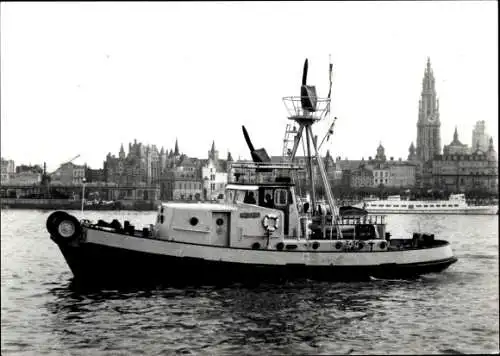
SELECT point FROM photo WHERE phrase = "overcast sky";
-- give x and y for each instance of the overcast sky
(82, 78)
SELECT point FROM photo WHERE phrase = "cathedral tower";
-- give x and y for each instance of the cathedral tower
(428, 125)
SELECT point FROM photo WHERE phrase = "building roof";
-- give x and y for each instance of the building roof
(349, 164)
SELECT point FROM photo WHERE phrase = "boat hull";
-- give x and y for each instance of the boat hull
(465, 211)
(120, 259)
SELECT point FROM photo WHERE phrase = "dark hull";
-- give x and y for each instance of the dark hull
(97, 264)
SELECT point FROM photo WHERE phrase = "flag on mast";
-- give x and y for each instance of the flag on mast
(330, 77)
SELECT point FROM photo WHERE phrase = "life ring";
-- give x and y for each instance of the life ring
(315, 245)
(338, 245)
(266, 222)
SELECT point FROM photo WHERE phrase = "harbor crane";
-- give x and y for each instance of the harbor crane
(71, 160)
(47, 176)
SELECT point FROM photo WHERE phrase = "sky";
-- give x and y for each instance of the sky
(83, 78)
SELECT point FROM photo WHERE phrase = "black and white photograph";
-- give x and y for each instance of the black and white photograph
(249, 178)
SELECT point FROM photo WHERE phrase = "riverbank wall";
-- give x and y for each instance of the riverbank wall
(64, 204)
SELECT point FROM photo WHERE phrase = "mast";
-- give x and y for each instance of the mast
(310, 167)
(306, 110)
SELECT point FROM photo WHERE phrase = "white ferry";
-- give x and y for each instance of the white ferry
(260, 232)
(456, 204)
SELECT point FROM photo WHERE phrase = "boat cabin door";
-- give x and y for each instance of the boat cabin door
(220, 228)
(280, 199)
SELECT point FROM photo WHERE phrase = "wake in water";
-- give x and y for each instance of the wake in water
(395, 280)
(477, 256)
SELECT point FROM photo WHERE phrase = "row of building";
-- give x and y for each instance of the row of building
(174, 176)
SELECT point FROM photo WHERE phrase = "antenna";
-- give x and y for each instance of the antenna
(83, 194)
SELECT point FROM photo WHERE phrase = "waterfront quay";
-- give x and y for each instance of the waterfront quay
(97, 195)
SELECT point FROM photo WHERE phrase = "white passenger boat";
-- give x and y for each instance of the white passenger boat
(456, 204)
(260, 232)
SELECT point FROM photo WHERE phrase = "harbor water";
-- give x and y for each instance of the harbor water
(456, 311)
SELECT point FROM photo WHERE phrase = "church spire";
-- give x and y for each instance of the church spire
(122, 152)
(411, 152)
(213, 153)
(176, 150)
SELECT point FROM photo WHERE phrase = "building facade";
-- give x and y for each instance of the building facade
(95, 175)
(456, 147)
(182, 181)
(143, 164)
(480, 138)
(383, 172)
(8, 168)
(68, 174)
(25, 178)
(466, 172)
(214, 173)
(403, 174)
(382, 175)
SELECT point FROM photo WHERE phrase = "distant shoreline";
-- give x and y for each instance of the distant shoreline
(64, 204)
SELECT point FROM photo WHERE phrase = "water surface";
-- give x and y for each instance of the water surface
(456, 311)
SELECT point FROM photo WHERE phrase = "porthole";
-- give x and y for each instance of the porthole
(193, 221)
(219, 221)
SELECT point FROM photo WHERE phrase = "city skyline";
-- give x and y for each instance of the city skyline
(197, 72)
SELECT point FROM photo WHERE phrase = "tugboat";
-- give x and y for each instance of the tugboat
(261, 231)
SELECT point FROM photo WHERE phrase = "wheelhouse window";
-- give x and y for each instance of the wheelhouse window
(230, 194)
(241, 196)
(266, 198)
(246, 196)
(280, 197)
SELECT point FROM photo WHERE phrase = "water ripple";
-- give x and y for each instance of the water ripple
(45, 312)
